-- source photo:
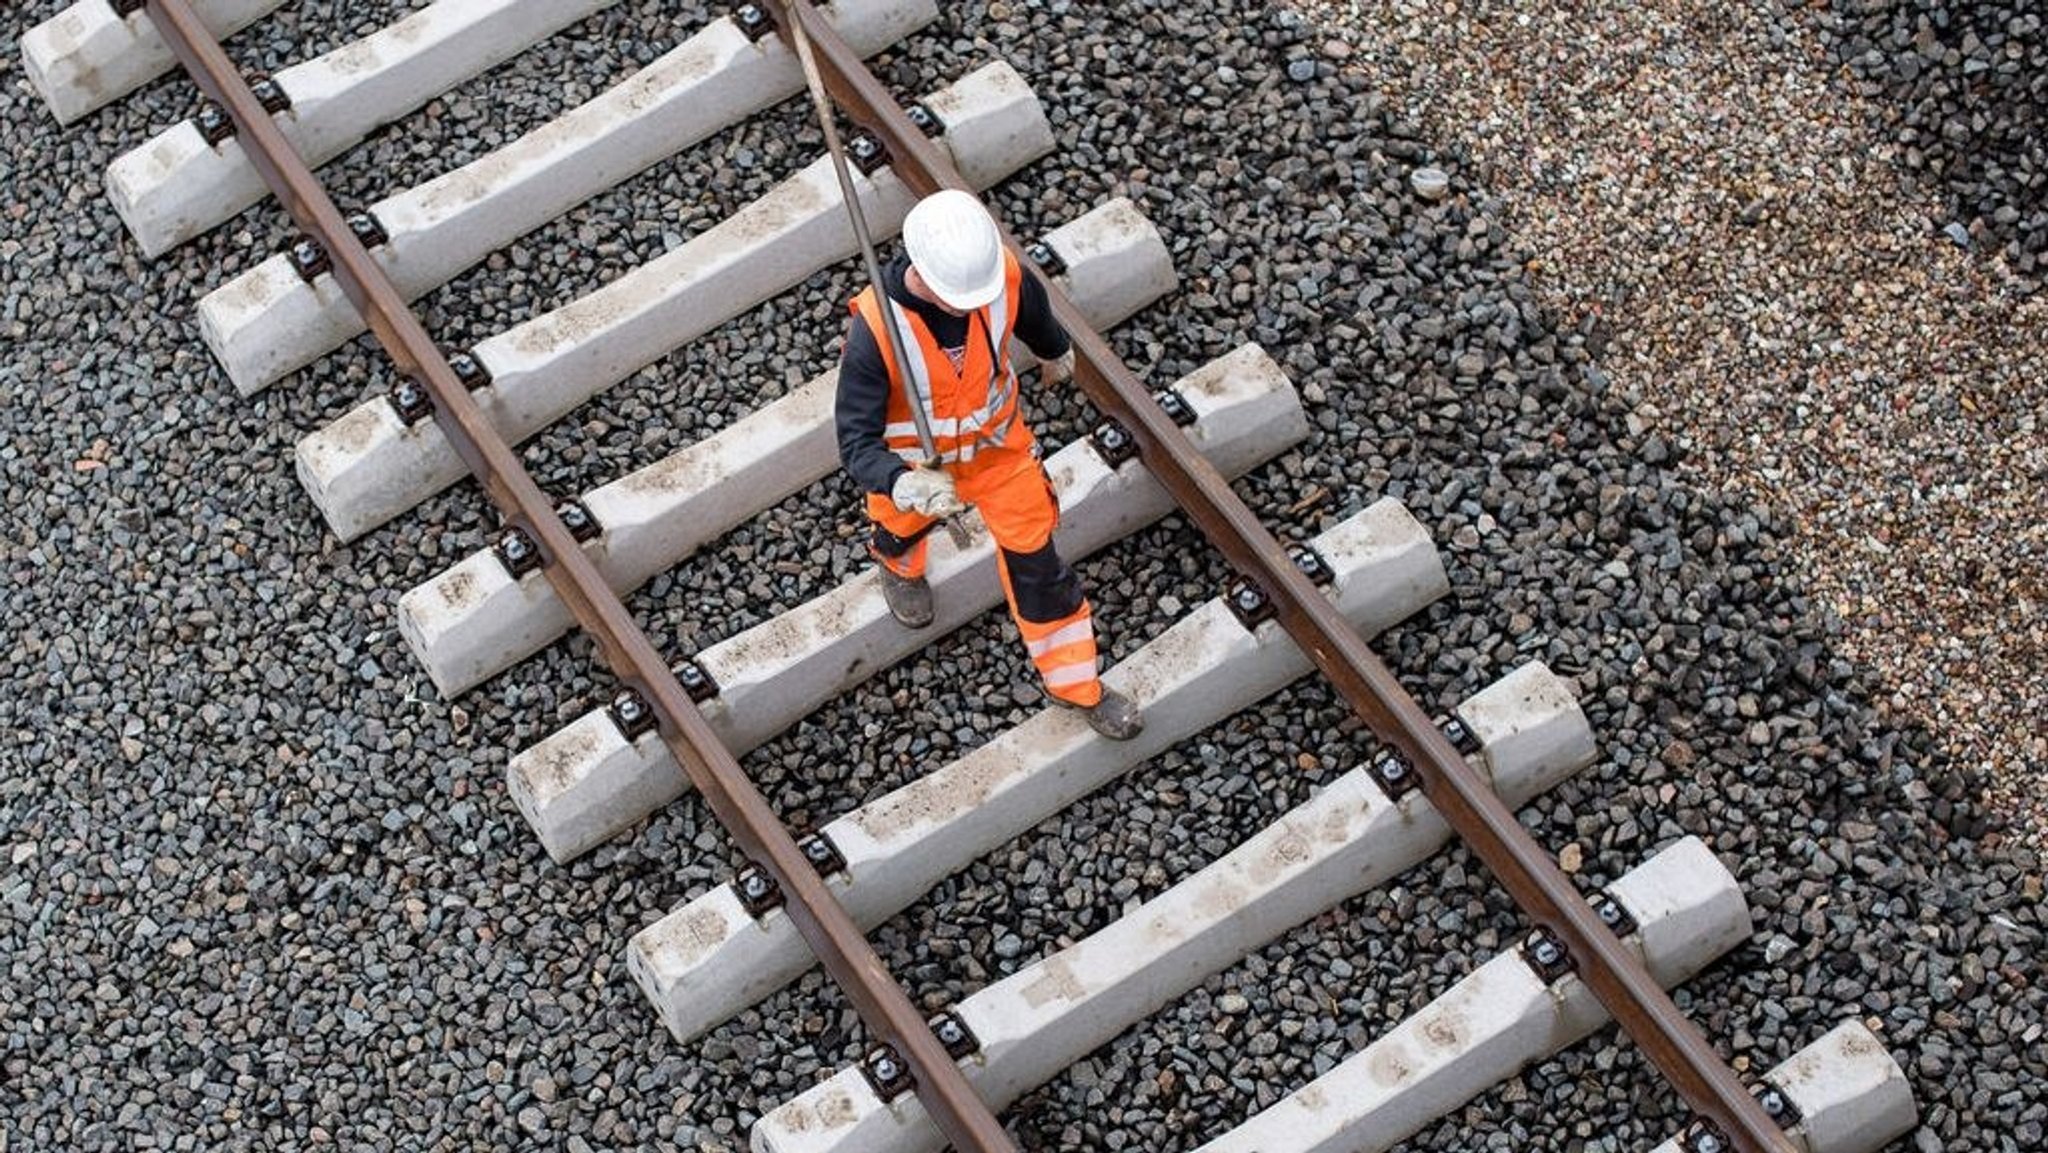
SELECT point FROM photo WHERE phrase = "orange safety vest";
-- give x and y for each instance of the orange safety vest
(971, 408)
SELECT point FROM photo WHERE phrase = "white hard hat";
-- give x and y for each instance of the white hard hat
(953, 245)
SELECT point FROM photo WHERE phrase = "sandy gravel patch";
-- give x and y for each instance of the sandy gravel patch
(1696, 181)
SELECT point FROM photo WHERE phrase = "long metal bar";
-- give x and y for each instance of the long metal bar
(832, 935)
(1480, 818)
(892, 329)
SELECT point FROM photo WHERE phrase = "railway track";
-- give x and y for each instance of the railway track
(673, 728)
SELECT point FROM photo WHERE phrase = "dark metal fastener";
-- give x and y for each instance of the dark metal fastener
(1394, 775)
(927, 121)
(1613, 914)
(1703, 1136)
(1460, 735)
(270, 94)
(953, 1033)
(887, 1075)
(368, 230)
(1546, 955)
(1248, 602)
(309, 258)
(1047, 260)
(696, 681)
(823, 855)
(754, 20)
(1175, 406)
(1311, 564)
(1113, 443)
(757, 891)
(867, 152)
(470, 371)
(1778, 1105)
(215, 125)
(516, 550)
(578, 520)
(411, 400)
(631, 714)
(126, 8)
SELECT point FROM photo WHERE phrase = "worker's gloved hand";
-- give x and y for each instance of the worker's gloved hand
(927, 491)
(1057, 370)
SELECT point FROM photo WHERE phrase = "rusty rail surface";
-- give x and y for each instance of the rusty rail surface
(832, 935)
(1480, 818)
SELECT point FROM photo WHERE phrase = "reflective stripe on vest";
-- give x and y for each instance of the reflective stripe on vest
(965, 417)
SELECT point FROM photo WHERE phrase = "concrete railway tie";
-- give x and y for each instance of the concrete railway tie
(90, 55)
(271, 321)
(184, 182)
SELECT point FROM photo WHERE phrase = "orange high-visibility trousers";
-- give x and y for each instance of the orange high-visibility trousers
(1018, 505)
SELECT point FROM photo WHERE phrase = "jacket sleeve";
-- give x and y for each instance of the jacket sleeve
(1035, 324)
(861, 413)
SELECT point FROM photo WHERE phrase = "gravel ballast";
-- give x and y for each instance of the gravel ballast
(263, 889)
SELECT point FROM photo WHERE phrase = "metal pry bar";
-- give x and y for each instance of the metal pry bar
(893, 331)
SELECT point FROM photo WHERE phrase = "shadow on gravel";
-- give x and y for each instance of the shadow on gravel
(1966, 86)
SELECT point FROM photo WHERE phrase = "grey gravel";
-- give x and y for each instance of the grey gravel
(1959, 88)
(263, 888)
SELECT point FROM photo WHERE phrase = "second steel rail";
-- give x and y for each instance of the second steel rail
(1480, 818)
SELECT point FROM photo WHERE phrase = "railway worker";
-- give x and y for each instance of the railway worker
(959, 296)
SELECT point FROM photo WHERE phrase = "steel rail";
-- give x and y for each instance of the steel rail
(832, 935)
(1481, 819)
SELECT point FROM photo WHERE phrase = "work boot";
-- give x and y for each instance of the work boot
(1114, 716)
(909, 598)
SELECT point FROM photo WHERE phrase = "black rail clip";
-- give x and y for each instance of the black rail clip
(1047, 260)
(1778, 1105)
(754, 19)
(630, 712)
(578, 520)
(309, 258)
(411, 401)
(368, 230)
(953, 1033)
(1113, 443)
(1703, 1136)
(1175, 406)
(517, 552)
(1248, 602)
(887, 1073)
(868, 153)
(1460, 735)
(1545, 955)
(758, 893)
(1394, 775)
(127, 8)
(269, 93)
(696, 681)
(470, 371)
(1312, 565)
(215, 125)
(823, 855)
(1612, 913)
(927, 122)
